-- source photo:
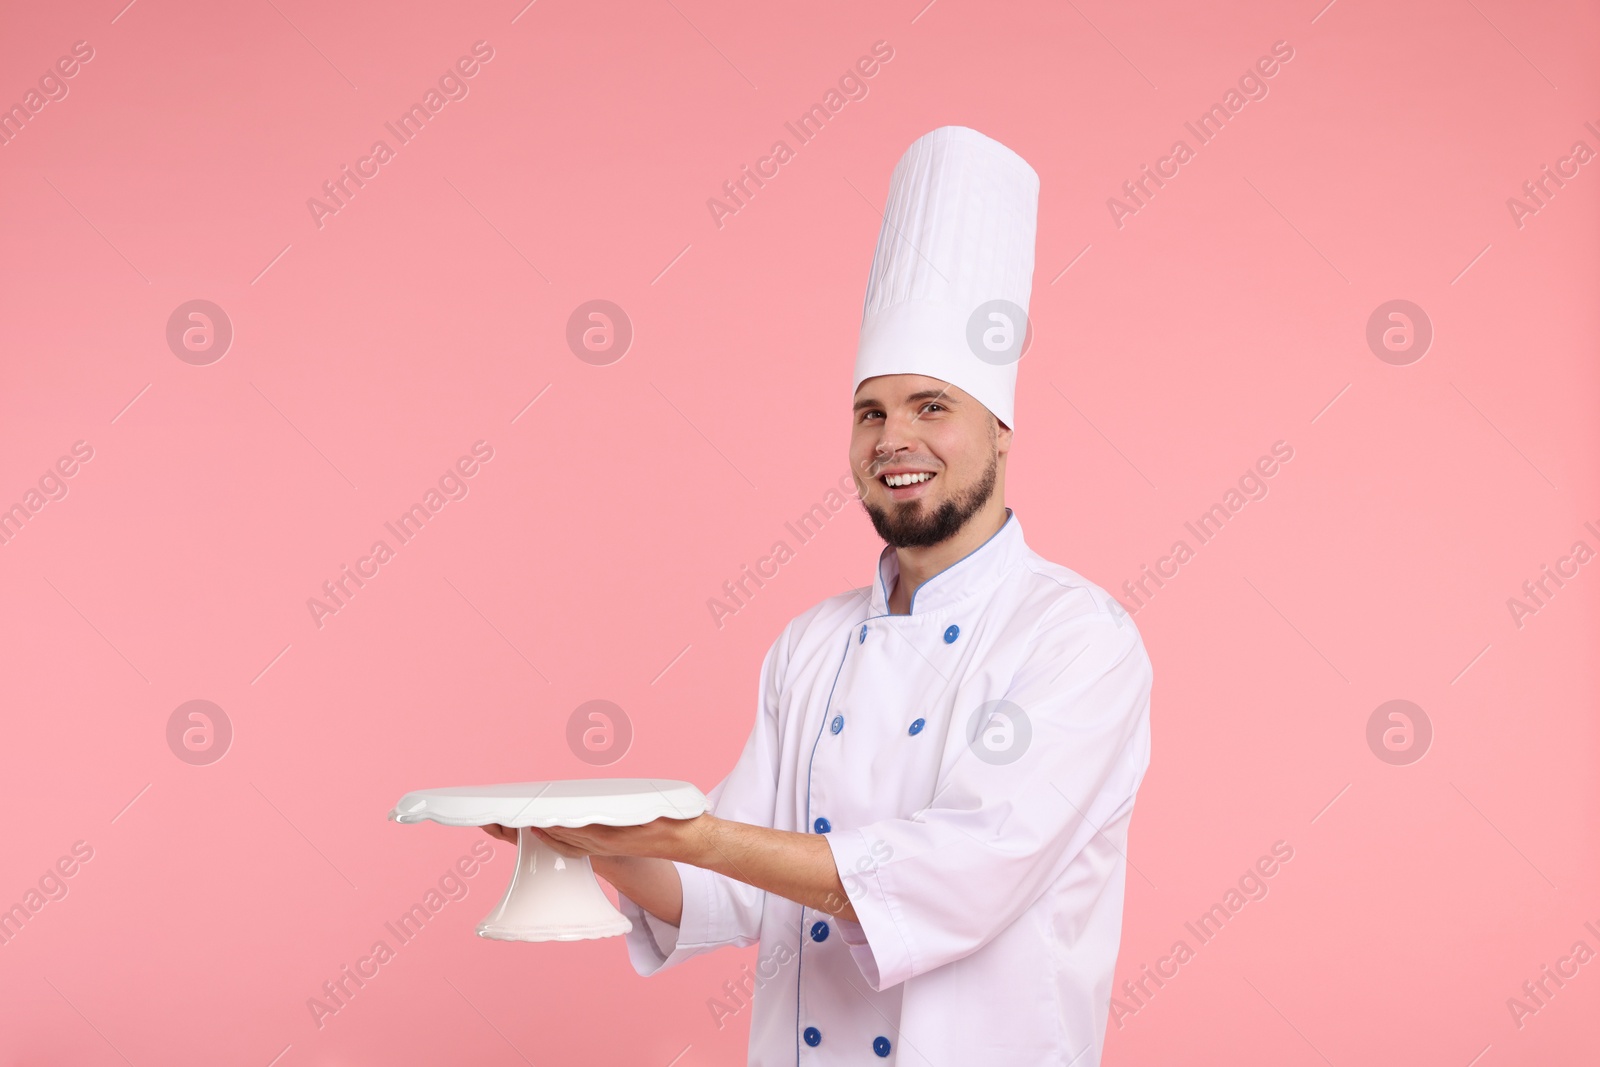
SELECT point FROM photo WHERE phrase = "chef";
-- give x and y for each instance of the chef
(925, 833)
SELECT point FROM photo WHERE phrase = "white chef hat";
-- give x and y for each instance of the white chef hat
(948, 292)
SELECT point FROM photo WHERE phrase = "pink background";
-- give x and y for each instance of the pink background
(1229, 313)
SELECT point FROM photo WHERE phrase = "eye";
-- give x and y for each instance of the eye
(934, 404)
(867, 414)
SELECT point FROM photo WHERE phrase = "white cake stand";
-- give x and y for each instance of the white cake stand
(552, 897)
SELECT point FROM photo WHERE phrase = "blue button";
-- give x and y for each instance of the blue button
(880, 1045)
(916, 727)
(822, 826)
(838, 723)
(863, 636)
(819, 931)
(950, 635)
(813, 1036)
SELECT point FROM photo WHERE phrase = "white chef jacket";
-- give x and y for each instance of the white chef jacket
(984, 855)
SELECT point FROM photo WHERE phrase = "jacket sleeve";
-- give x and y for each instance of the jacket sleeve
(718, 910)
(939, 885)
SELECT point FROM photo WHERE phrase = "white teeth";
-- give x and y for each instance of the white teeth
(898, 480)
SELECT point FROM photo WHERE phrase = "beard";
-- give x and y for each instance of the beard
(907, 525)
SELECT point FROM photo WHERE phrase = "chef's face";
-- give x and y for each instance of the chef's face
(946, 447)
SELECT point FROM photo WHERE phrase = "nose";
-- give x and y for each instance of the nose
(883, 455)
(898, 435)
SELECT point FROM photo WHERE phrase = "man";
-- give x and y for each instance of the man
(925, 832)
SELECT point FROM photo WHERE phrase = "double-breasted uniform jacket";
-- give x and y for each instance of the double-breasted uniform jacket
(973, 767)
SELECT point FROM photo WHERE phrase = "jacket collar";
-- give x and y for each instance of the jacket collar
(979, 571)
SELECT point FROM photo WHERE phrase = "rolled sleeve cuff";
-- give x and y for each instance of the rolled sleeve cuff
(650, 942)
(707, 922)
(877, 940)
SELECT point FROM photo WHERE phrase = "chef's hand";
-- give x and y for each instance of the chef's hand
(662, 838)
(509, 833)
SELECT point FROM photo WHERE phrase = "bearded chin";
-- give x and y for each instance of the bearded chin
(908, 526)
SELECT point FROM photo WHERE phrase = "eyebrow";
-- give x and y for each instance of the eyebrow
(925, 394)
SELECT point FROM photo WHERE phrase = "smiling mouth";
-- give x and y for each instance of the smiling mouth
(906, 486)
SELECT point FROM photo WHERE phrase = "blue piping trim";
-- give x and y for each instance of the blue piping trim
(811, 762)
(801, 941)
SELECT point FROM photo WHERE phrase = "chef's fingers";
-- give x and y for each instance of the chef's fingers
(508, 834)
(556, 837)
(566, 848)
